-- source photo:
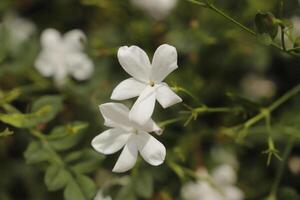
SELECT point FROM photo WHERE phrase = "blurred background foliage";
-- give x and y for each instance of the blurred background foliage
(47, 130)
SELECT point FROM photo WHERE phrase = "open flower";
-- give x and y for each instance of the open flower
(147, 80)
(158, 9)
(133, 137)
(63, 55)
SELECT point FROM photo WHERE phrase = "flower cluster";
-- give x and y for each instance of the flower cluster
(63, 55)
(130, 128)
(217, 186)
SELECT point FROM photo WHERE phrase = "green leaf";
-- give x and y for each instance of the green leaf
(65, 137)
(266, 23)
(86, 161)
(35, 153)
(127, 192)
(55, 103)
(67, 130)
(56, 177)
(7, 97)
(80, 188)
(6, 133)
(143, 184)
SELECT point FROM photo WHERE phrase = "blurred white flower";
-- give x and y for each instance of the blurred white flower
(63, 55)
(294, 165)
(255, 87)
(133, 137)
(158, 9)
(19, 30)
(147, 80)
(218, 186)
(100, 196)
(222, 155)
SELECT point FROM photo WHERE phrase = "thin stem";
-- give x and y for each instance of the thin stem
(294, 91)
(266, 111)
(198, 3)
(220, 12)
(281, 168)
(218, 110)
(248, 30)
(282, 37)
(181, 89)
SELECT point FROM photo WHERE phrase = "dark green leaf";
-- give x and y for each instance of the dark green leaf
(6, 133)
(53, 102)
(80, 188)
(35, 153)
(20, 120)
(67, 130)
(56, 177)
(266, 23)
(143, 184)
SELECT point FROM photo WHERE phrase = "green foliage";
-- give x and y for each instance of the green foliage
(267, 24)
(36, 152)
(53, 103)
(79, 187)
(6, 133)
(56, 177)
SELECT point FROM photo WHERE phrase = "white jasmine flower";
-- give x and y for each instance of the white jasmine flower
(219, 186)
(158, 9)
(146, 81)
(63, 55)
(133, 137)
(100, 196)
(19, 30)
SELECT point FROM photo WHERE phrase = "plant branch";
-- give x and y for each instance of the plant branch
(246, 29)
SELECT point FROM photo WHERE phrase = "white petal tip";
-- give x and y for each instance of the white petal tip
(159, 131)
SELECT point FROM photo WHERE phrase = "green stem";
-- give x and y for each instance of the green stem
(282, 37)
(220, 12)
(281, 168)
(264, 112)
(218, 109)
(181, 89)
(248, 30)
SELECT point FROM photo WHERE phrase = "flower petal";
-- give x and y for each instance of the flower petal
(164, 62)
(115, 115)
(224, 175)
(127, 89)
(142, 109)
(44, 64)
(128, 157)
(233, 193)
(151, 149)
(135, 62)
(80, 66)
(165, 96)
(151, 126)
(51, 38)
(110, 141)
(74, 40)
